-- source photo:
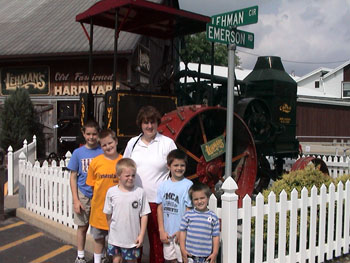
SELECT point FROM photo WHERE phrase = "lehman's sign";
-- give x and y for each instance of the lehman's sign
(35, 80)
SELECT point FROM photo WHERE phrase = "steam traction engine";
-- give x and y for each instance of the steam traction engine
(264, 125)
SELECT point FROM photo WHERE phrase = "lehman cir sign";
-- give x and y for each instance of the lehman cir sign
(236, 18)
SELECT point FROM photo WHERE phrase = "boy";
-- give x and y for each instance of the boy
(173, 201)
(125, 204)
(200, 228)
(81, 192)
(101, 176)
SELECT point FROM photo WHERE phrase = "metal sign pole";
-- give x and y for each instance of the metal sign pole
(230, 109)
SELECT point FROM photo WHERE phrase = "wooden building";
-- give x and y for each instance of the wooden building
(323, 108)
(44, 49)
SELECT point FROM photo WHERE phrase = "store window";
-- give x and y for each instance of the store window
(346, 89)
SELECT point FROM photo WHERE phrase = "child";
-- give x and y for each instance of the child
(200, 229)
(81, 192)
(101, 176)
(124, 205)
(173, 201)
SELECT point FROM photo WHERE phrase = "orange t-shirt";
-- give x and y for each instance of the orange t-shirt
(102, 176)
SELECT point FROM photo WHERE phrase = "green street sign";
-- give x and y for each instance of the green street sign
(236, 18)
(227, 36)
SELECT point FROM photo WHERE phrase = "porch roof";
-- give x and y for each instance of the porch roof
(145, 18)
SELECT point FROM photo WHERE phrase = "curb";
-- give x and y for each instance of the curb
(64, 233)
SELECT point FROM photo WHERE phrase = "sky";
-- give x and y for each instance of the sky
(306, 34)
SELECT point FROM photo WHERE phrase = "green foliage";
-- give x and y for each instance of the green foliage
(198, 50)
(297, 180)
(344, 178)
(18, 121)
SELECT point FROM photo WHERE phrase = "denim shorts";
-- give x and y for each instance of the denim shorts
(194, 259)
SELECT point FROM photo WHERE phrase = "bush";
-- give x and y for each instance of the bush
(344, 178)
(298, 180)
(19, 122)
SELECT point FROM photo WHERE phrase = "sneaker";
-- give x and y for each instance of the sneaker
(105, 260)
(80, 260)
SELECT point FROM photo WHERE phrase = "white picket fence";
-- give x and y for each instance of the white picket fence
(46, 190)
(321, 219)
(13, 162)
(248, 234)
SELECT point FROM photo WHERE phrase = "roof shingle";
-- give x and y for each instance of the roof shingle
(49, 27)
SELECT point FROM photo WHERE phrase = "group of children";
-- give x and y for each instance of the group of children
(106, 197)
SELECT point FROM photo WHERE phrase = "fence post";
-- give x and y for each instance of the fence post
(2, 182)
(25, 148)
(35, 152)
(229, 212)
(68, 156)
(10, 170)
(21, 178)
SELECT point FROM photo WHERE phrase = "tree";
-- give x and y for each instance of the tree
(197, 49)
(19, 122)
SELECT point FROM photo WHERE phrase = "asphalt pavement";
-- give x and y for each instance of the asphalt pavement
(23, 242)
(28, 237)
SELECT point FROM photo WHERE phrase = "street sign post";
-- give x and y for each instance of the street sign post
(236, 18)
(227, 36)
(223, 29)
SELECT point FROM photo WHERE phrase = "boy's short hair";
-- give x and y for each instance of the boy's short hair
(176, 154)
(147, 113)
(107, 132)
(124, 163)
(198, 186)
(91, 124)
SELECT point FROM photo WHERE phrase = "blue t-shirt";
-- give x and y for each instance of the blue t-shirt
(200, 229)
(79, 163)
(174, 198)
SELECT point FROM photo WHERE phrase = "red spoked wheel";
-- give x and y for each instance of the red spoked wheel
(301, 163)
(192, 126)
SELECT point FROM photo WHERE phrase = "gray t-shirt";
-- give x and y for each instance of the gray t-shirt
(126, 209)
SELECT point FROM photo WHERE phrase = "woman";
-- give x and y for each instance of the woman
(149, 150)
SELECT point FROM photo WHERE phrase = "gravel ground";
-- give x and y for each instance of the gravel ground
(343, 259)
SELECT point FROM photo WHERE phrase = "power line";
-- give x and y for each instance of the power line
(299, 62)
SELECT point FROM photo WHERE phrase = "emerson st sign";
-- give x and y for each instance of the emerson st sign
(227, 36)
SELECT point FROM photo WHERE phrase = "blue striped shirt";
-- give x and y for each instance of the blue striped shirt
(201, 227)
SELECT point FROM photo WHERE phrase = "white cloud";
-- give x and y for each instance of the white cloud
(295, 30)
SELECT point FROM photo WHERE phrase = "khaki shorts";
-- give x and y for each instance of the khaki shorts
(172, 250)
(98, 233)
(82, 219)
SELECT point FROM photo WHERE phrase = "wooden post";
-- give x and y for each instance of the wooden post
(35, 151)
(229, 212)
(68, 156)
(2, 194)
(21, 178)
(10, 170)
(25, 148)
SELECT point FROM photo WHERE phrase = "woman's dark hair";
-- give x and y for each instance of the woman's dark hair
(148, 113)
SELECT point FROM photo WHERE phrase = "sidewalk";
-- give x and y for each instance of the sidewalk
(64, 233)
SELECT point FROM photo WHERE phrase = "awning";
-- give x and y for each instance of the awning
(145, 18)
